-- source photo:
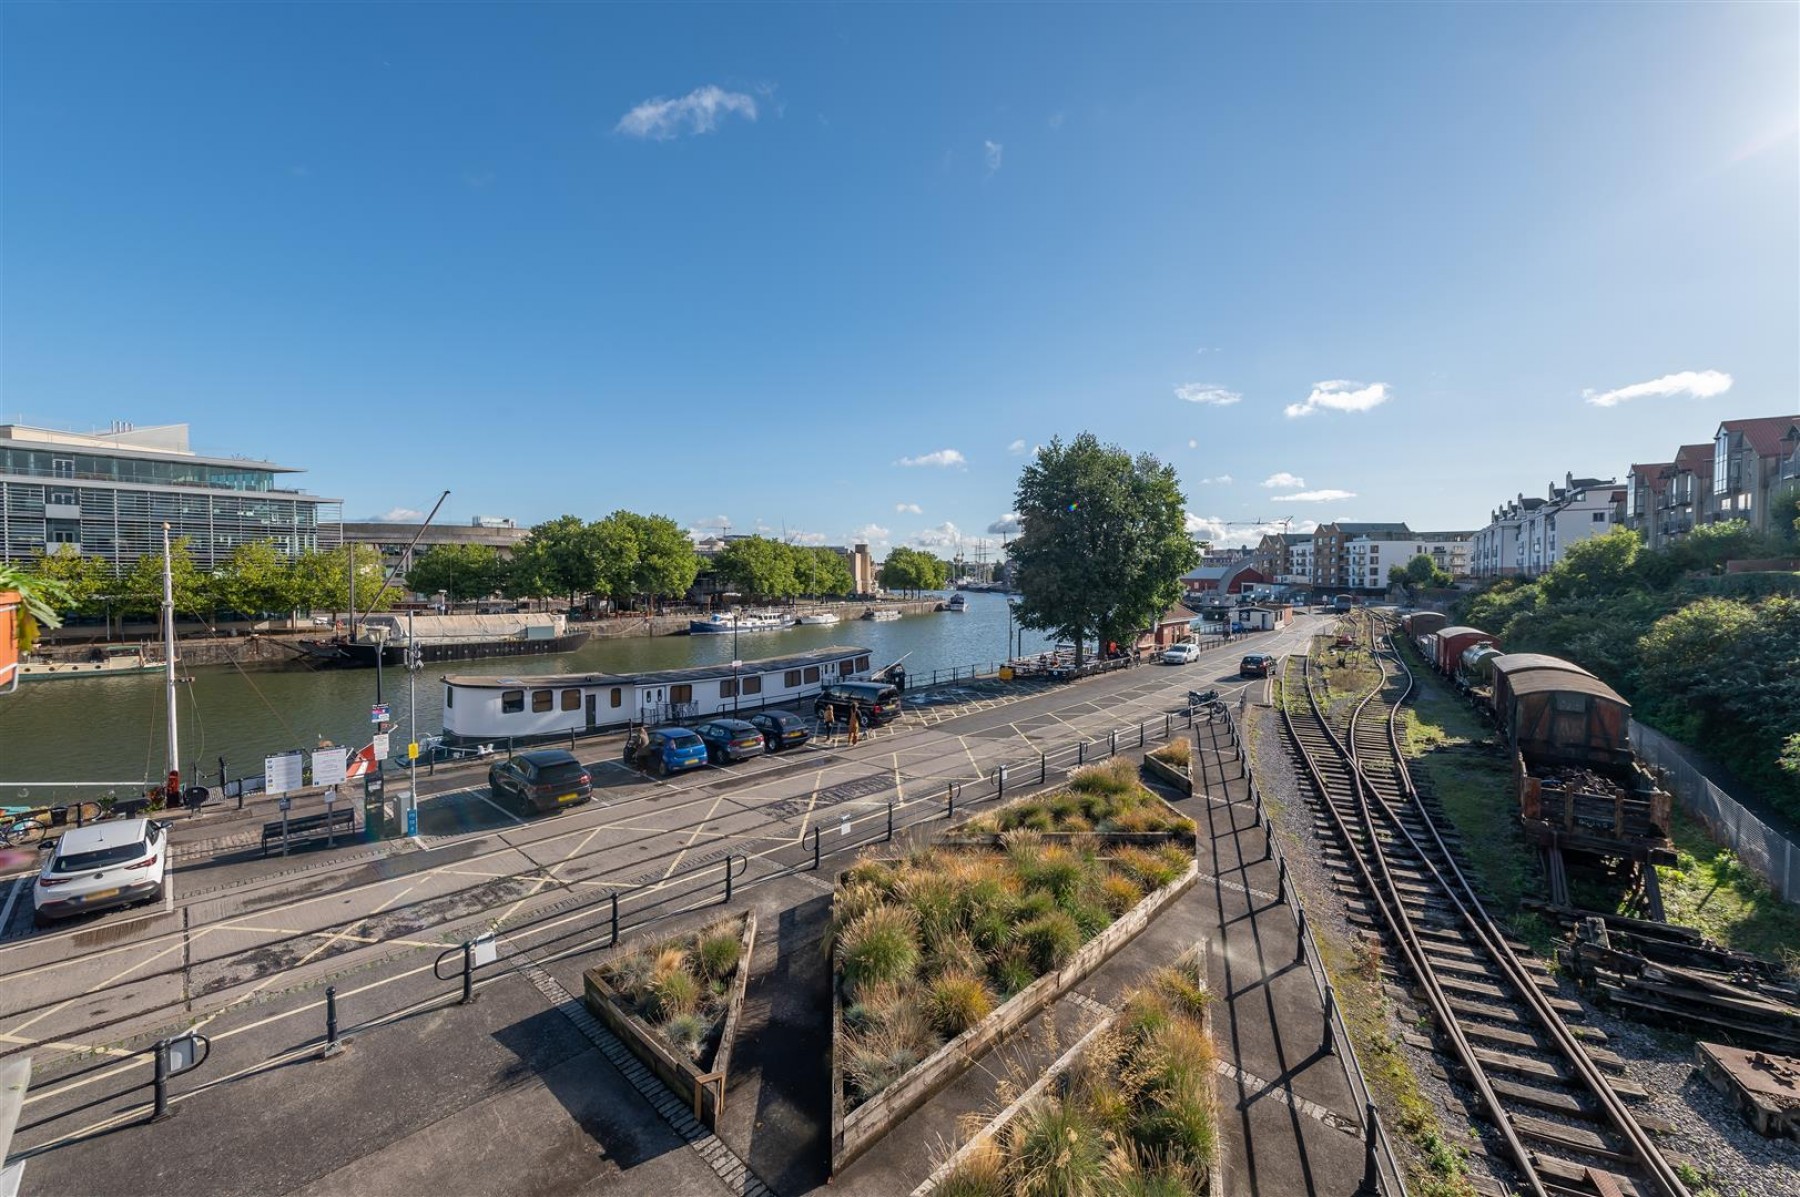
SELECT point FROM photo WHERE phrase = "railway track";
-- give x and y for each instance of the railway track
(1555, 1098)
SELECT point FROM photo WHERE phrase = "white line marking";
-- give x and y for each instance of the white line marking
(497, 806)
(12, 896)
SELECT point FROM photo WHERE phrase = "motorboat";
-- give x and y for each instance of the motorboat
(959, 602)
(881, 614)
(740, 621)
(819, 618)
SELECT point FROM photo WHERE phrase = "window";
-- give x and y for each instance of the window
(846, 668)
(449, 693)
(616, 696)
(543, 700)
(681, 694)
(1599, 517)
(791, 679)
(1721, 463)
(512, 701)
(571, 700)
(727, 688)
(812, 673)
(753, 685)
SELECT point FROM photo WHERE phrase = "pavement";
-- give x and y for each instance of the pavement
(431, 1092)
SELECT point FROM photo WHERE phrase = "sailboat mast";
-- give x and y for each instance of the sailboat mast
(168, 614)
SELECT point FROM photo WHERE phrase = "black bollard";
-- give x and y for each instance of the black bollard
(468, 994)
(332, 1046)
(160, 1081)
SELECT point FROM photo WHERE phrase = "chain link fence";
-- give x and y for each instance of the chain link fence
(1761, 847)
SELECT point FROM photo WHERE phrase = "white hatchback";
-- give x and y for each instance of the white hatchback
(100, 867)
(1181, 654)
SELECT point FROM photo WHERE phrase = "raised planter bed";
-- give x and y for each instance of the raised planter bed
(1174, 775)
(854, 1128)
(698, 1083)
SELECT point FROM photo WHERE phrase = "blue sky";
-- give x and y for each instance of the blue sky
(748, 261)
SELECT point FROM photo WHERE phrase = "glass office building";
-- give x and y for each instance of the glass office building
(108, 494)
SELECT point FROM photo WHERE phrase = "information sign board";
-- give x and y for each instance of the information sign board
(329, 766)
(282, 773)
(378, 713)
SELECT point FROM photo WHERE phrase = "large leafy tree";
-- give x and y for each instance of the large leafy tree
(87, 582)
(665, 564)
(462, 571)
(563, 556)
(258, 579)
(1104, 541)
(912, 570)
(758, 566)
(141, 587)
(1418, 574)
(822, 571)
(322, 580)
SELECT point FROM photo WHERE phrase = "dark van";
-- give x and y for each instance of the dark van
(875, 702)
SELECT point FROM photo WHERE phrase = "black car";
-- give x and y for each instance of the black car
(730, 740)
(875, 702)
(780, 729)
(1256, 665)
(546, 779)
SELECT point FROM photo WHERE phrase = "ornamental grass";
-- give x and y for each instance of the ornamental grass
(681, 987)
(929, 945)
(1105, 797)
(1135, 1118)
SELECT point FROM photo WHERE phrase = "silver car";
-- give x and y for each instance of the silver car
(101, 867)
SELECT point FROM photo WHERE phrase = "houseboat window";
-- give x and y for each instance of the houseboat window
(846, 668)
(449, 697)
(543, 700)
(862, 664)
(812, 673)
(791, 679)
(753, 685)
(681, 694)
(727, 688)
(615, 696)
(571, 700)
(512, 701)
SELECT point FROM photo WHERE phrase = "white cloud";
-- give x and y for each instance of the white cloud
(942, 459)
(1341, 394)
(1207, 393)
(992, 152)
(1017, 446)
(713, 523)
(1223, 533)
(697, 112)
(1283, 478)
(873, 533)
(909, 508)
(1193, 444)
(1219, 480)
(1700, 384)
(761, 528)
(944, 535)
(1315, 496)
(401, 515)
(808, 538)
(1007, 525)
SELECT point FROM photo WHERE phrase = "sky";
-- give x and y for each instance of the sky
(833, 271)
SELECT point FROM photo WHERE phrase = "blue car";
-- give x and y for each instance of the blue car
(666, 750)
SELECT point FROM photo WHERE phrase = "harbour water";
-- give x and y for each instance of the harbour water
(110, 731)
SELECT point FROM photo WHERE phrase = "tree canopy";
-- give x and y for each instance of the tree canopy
(911, 570)
(1103, 544)
(461, 571)
(1418, 574)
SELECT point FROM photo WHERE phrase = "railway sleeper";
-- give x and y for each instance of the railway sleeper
(1601, 1145)
(1574, 1179)
(1513, 1016)
(1507, 1037)
(1481, 989)
(1550, 1070)
(1481, 969)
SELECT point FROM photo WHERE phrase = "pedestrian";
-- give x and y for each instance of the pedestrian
(831, 718)
(853, 725)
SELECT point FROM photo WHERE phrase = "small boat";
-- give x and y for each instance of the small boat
(881, 614)
(819, 618)
(959, 602)
(104, 661)
(740, 621)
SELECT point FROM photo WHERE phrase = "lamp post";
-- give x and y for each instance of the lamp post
(736, 664)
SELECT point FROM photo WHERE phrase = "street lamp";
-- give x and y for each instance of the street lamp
(736, 664)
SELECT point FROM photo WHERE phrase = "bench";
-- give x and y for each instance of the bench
(311, 827)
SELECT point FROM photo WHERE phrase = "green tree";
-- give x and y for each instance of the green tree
(911, 570)
(1103, 544)
(1418, 574)
(322, 580)
(43, 601)
(827, 572)
(462, 571)
(563, 556)
(1599, 565)
(141, 587)
(666, 564)
(759, 567)
(88, 582)
(257, 579)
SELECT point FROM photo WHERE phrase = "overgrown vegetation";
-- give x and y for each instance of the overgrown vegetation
(1711, 658)
(928, 945)
(1176, 752)
(1106, 797)
(1137, 1115)
(681, 986)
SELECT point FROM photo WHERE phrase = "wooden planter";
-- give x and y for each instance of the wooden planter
(704, 1091)
(1176, 776)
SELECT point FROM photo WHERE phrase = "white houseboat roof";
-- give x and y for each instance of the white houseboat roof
(656, 677)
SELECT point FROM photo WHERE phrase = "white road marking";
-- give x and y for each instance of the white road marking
(12, 897)
(497, 806)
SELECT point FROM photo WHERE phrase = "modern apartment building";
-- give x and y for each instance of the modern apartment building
(1331, 565)
(1527, 535)
(1371, 555)
(108, 494)
(1735, 476)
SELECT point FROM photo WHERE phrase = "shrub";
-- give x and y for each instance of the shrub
(719, 952)
(1145, 867)
(1050, 940)
(1175, 752)
(1011, 970)
(687, 1033)
(1116, 776)
(1056, 870)
(1119, 893)
(670, 995)
(958, 1001)
(1056, 1152)
(1091, 918)
(629, 972)
(982, 1173)
(882, 945)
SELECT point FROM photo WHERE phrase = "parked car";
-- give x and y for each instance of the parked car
(1181, 654)
(875, 702)
(541, 780)
(665, 750)
(780, 729)
(101, 867)
(729, 740)
(1256, 665)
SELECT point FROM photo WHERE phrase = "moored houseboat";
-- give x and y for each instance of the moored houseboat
(740, 621)
(485, 710)
(446, 638)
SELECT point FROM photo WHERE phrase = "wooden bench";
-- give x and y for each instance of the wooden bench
(321, 827)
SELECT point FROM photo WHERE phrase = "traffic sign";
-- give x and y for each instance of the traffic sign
(379, 713)
(284, 803)
(412, 751)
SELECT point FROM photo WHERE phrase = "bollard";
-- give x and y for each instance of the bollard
(614, 895)
(1167, 730)
(1043, 768)
(950, 799)
(1281, 881)
(890, 822)
(161, 1080)
(1081, 752)
(815, 848)
(332, 1047)
(1000, 783)
(1371, 1181)
(468, 971)
(1330, 1019)
(1112, 743)
(1140, 733)
(728, 880)
(1300, 932)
